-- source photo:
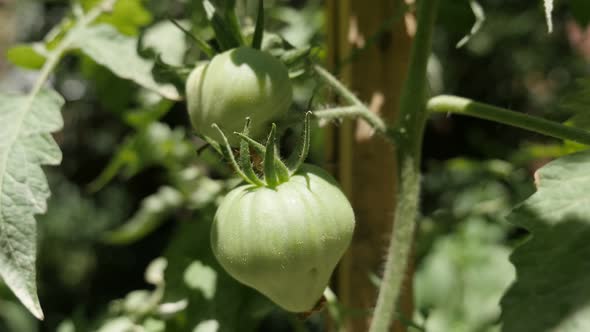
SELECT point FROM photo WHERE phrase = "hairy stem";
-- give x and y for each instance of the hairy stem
(357, 111)
(459, 105)
(358, 108)
(413, 116)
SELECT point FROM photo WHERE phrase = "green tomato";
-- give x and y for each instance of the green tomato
(239, 83)
(285, 242)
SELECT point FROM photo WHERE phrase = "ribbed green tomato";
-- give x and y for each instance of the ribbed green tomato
(285, 242)
(239, 83)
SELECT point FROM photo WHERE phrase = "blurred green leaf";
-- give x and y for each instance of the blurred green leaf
(459, 284)
(154, 210)
(207, 326)
(201, 277)
(26, 56)
(553, 285)
(154, 325)
(156, 144)
(16, 318)
(154, 274)
(142, 118)
(167, 40)
(118, 52)
(301, 25)
(66, 326)
(119, 324)
(577, 99)
(128, 16)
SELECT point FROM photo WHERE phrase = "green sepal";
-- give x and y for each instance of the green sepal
(214, 144)
(270, 169)
(261, 149)
(229, 155)
(245, 161)
(300, 153)
(259, 30)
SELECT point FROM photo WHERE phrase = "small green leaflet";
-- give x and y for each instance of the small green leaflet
(25, 144)
(105, 45)
(552, 288)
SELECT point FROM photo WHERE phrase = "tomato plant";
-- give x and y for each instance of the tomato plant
(242, 239)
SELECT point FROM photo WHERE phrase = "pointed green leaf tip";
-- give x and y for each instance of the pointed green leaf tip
(553, 281)
(25, 144)
(259, 30)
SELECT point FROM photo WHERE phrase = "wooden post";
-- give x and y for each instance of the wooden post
(365, 165)
(7, 8)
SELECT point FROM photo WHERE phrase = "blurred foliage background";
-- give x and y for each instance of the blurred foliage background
(125, 240)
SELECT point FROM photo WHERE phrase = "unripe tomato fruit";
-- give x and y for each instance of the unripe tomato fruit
(239, 83)
(284, 241)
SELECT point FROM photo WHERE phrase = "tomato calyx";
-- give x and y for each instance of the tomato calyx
(275, 170)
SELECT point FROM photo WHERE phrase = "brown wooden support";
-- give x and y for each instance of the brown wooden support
(366, 165)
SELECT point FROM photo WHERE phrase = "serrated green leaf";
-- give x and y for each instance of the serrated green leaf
(552, 290)
(118, 52)
(25, 144)
(26, 56)
(153, 211)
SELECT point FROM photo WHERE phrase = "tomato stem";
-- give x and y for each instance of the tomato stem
(358, 108)
(464, 106)
(409, 136)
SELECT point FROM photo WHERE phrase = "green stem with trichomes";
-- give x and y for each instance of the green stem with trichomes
(459, 105)
(412, 119)
(358, 109)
